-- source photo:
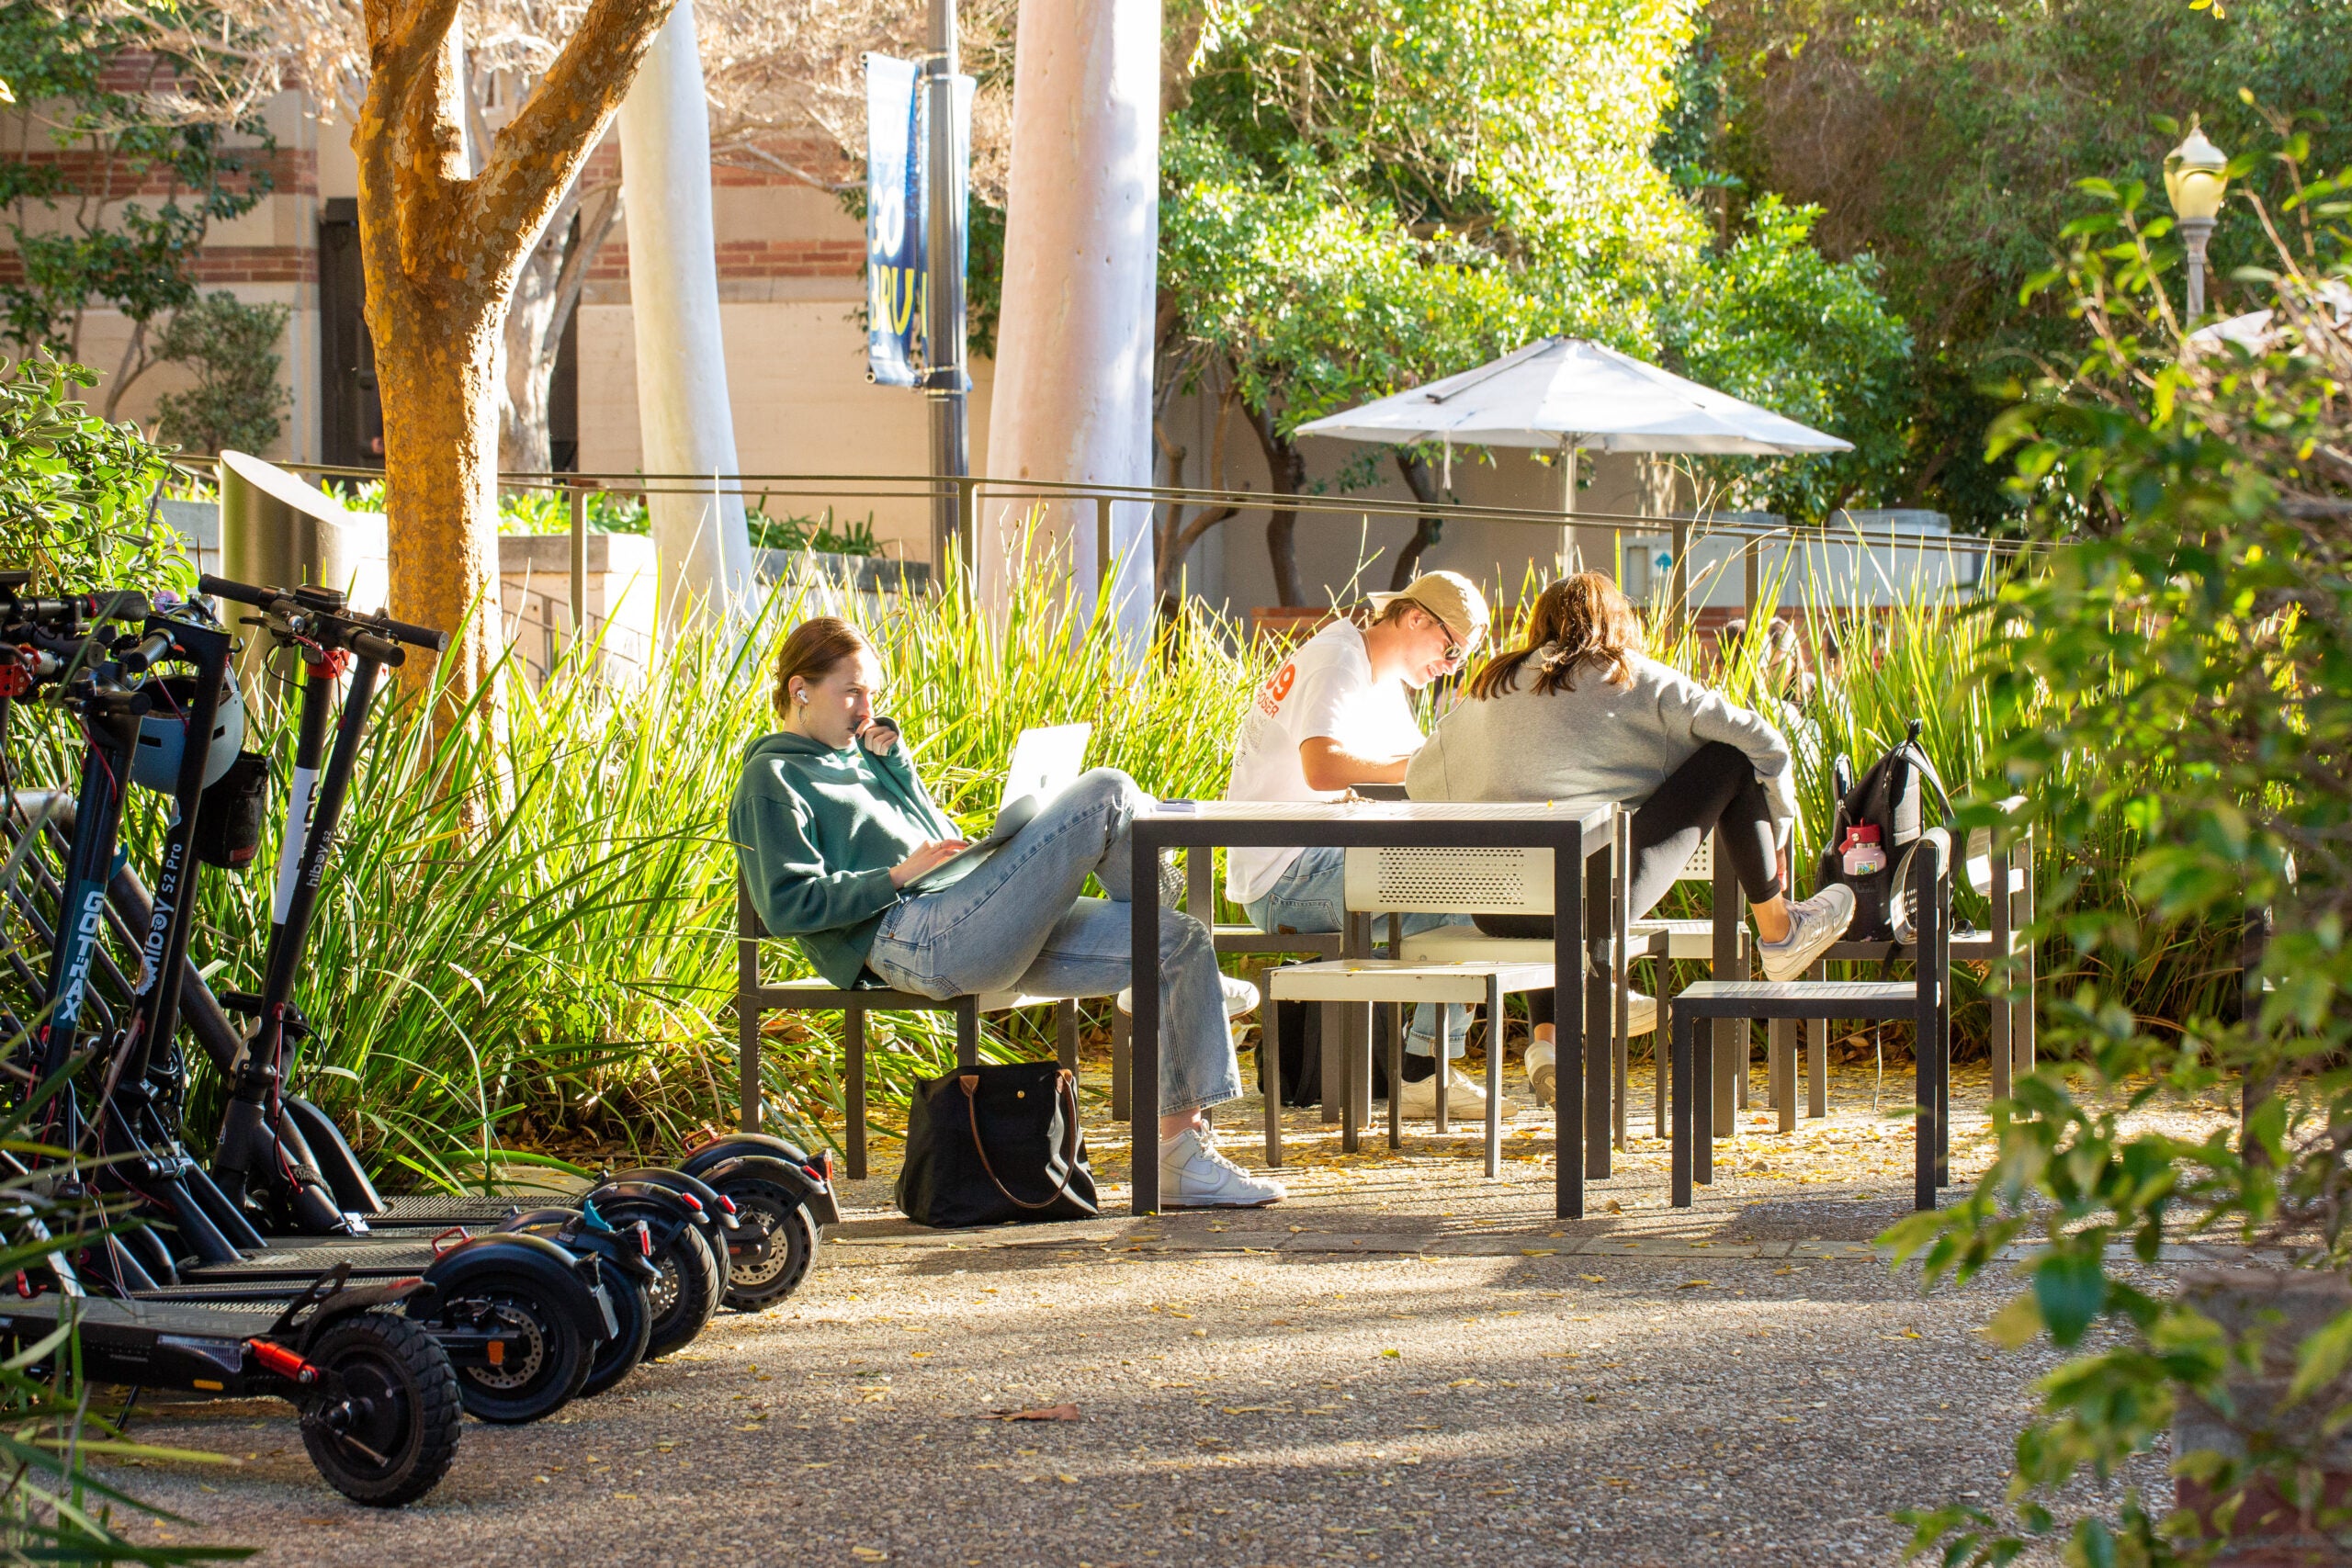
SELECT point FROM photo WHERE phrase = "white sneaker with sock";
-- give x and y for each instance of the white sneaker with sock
(1813, 924)
(1542, 1074)
(1466, 1100)
(1193, 1174)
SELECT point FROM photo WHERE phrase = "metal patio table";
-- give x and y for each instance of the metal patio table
(1576, 831)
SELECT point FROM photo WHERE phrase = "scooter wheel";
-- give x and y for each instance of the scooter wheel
(553, 1362)
(687, 1296)
(781, 1242)
(385, 1428)
(618, 1357)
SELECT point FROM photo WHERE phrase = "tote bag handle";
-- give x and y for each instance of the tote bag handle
(971, 1084)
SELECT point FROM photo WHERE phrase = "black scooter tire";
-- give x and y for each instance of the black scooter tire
(551, 1374)
(411, 1417)
(690, 1282)
(619, 1356)
(789, 1232)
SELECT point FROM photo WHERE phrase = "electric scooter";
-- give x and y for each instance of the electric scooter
(519, 1315)
(377, 1394)
(278, 1156)
(782, 1189)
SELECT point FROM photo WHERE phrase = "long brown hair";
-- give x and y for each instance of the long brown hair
(1588, 619)
(812, 651)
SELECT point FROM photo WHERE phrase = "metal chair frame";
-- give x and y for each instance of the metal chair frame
(756, 998)
(1924, 999)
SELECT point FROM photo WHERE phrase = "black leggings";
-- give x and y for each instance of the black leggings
(1716, 788)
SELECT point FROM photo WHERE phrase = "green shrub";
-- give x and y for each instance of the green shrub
(232, 348)
(2185, 660)
(76, 493)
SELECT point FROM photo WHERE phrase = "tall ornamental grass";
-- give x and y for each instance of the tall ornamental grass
(525, 950)
(559, 975)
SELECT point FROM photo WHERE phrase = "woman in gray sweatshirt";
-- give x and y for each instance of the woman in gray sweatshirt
(1581, 713)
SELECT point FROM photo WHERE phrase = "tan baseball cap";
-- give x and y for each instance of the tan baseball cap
(1450, 597)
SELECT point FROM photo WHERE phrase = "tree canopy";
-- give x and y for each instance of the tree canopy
(1365, 195)
(1945, 141)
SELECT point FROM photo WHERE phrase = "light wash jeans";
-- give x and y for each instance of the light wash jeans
(1311, 896)
(1018, 923)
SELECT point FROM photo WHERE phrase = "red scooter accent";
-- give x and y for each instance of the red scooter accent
(282, 1361)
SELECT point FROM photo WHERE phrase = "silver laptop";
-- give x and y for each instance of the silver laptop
(1045, 762)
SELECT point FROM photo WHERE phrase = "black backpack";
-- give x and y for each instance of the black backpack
(1878, 823)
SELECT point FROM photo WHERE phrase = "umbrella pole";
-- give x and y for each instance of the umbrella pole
(1569, 559)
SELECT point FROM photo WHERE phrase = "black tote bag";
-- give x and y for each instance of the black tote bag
(991, 1143)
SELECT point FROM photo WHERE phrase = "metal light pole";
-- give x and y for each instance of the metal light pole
(2195, 175)
(943, 321)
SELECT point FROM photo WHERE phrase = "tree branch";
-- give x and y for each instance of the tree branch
(598, 213)
(540, 150)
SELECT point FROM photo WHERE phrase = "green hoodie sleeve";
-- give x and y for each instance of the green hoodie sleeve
(797, 893)
(897, 766)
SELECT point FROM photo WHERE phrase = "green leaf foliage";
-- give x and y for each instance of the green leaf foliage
(2188, 625)
(1361, 196)
(76, 493)
(1945, 140)
(120, 112)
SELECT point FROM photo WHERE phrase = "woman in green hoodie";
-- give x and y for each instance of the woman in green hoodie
(831, 823)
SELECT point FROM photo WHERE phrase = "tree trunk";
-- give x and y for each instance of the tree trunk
(436, 367)
(1426, 530)
(442, 246)
(1285, 475)
(683, 411)
(1074, 345)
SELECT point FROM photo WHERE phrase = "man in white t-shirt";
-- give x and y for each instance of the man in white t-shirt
(1338, 714)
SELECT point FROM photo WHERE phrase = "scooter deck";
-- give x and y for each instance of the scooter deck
(448, 1209)
(181, 1344)
(114, 1314)
(369, 1260)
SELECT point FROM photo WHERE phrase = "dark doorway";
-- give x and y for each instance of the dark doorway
(351, 411)
(564, 398)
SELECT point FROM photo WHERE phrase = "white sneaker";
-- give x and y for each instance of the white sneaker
(1466, 1100)
(1193, 1174)
(1813, 924)
(1240, 996)
(1542, 1074)
(1543, 1071)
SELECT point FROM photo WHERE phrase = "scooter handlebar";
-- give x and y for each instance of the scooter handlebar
(110, 606)
(382, 626)
(401, 631)
(151, 650)
(243, 592)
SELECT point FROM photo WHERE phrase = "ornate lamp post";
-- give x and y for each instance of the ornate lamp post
(2196, 174)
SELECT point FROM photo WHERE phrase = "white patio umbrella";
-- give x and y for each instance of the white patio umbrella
(1568, 395)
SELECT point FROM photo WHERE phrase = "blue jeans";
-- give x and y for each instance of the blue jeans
(1311, 896)
(1018, 924)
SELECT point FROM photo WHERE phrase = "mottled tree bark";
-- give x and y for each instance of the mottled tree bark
(442, 250)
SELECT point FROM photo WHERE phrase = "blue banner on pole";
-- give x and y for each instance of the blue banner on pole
(896, 206)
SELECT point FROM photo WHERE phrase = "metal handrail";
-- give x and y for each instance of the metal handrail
(913, 486)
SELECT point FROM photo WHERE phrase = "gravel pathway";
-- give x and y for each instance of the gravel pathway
(1404, 1363)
